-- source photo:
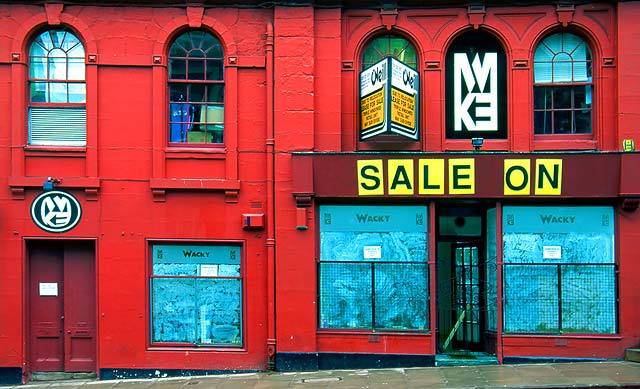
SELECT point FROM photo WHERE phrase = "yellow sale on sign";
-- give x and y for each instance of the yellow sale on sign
(389, 100)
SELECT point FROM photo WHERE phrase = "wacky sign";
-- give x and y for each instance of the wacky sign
(55, 211)
(389, 100)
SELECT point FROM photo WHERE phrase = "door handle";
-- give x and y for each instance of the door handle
(69, 332)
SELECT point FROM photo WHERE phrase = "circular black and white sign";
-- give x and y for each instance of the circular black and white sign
(55, 211)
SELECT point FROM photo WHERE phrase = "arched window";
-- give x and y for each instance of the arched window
(57, 90)
(389, 45)
(196, 89)
(389, 90)
(563, 86)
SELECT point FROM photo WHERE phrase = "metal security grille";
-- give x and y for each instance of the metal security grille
(573, 298)
(374, 295)
(57, 126)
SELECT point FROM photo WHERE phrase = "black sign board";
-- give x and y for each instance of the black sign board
(476, 88)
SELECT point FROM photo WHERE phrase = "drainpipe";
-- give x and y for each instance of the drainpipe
(270, 178)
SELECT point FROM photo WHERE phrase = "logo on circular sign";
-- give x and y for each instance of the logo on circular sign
(55, 211)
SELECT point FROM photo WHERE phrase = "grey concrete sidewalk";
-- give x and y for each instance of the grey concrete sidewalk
(552, 375)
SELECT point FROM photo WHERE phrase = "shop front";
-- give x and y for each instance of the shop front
(493, 257)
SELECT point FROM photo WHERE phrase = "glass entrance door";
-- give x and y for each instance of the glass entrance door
(467, 296)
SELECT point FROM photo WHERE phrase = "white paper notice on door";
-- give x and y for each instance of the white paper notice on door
(552, 252)
(48, 289)
(372, 252)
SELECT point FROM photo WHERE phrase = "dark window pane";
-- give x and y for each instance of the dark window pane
(196, 38)
(177, 69)
(582, 122)
(561, 97)
(213, 48)
(562, 122)
(195, 70)
(579, 100)
(178, 92)
(542, 97)
(196, 53)
(215, 93)
(196, 93)
(217, 133)
(180, 46)
(215, 69)
(582, 97)
(542, 122)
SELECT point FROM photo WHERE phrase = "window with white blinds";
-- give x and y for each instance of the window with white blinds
(57, 90)
(60, 126)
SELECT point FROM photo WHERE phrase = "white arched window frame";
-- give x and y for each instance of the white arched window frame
(563, 86)
(57, 90)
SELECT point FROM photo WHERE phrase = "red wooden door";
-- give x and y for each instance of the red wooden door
(62, 306)
(79, 307)
(46, 307)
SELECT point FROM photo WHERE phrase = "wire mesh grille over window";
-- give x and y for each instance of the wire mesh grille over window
(57, 90)
(389, 45)
(563, 86)
(196, 89)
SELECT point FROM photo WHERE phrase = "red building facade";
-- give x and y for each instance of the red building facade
(196, 188)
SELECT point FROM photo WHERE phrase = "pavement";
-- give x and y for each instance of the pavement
(609, 374)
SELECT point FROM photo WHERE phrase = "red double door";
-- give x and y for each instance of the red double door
(62, 323)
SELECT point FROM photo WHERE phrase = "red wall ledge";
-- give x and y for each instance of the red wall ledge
(159, 186)
(91, 185)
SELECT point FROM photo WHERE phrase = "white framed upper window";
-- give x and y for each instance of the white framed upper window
(563, 86)
(57, 90)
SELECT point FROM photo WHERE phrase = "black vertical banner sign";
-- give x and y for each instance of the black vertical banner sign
(476, 88)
